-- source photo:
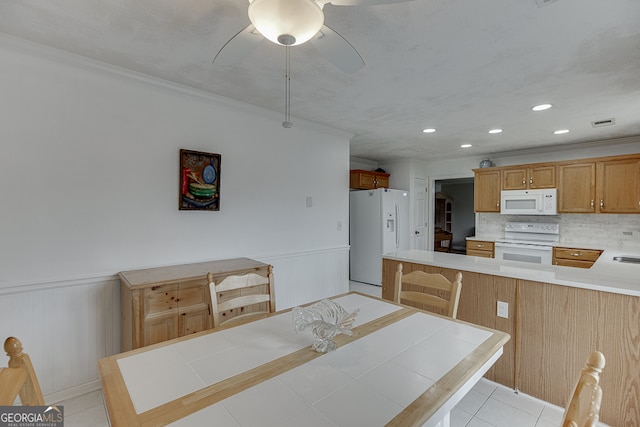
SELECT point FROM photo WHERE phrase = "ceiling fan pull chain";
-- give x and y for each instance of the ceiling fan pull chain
(287, 91)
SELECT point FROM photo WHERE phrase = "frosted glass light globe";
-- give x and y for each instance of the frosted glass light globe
(286, 22)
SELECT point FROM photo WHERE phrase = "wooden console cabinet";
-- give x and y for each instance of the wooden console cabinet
(158, 304)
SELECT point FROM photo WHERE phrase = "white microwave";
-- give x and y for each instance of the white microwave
(529, 202)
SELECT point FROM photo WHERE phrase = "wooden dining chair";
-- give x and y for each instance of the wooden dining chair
(428, 291)
(19, 379)
(236, 298)
(583, 409)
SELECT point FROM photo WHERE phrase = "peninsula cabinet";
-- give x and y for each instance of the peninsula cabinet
(559, 326)
(553, 329)
(486, 190)
(525, 178)
(159, 304)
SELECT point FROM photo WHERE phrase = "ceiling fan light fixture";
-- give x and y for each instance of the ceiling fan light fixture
(286, 22)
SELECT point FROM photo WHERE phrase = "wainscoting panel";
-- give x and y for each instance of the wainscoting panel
(66, 326)
(309, 276)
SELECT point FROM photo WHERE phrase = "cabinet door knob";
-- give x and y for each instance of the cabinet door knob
(601, 203)
(531, 180)
(523, 181)
(592, 203)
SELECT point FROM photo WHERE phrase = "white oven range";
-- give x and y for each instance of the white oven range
(528, 242)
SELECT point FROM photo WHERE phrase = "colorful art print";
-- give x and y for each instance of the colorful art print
(199, 181)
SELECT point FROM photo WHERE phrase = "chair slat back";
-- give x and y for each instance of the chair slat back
(583, 410)
(237, 298)
(425, 290)
(19, 378)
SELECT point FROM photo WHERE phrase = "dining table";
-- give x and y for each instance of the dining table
(400, 367)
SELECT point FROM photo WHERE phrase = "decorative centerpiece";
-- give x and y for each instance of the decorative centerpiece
(326, 320)
(486, 163)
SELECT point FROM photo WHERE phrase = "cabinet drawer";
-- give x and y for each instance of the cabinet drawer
(484, 254)
(479, 245)
(573, 263)
(576, 254)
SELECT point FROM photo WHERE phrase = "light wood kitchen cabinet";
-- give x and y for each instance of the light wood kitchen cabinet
(159, 304)
(368, 180)
(559, 326)
(478, 301)
(480, 248)
(618, 186)
(525, 178)
(486, 190)
(601, 186)
(575, 257)
(553, 330)
(577, 188)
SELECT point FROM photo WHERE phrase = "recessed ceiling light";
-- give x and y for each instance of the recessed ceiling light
(465, 146)
(495, 131)
(561, 131)
(428, 130)
(541, 107)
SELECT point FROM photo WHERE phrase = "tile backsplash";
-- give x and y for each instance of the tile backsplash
(589, 230)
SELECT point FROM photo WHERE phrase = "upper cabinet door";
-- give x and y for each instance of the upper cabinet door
(619, 186)
(514, 179)
(577, 189)
(486, 191)
(542, 177)
(529, 177)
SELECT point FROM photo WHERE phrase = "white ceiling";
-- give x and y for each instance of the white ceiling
(461, 66)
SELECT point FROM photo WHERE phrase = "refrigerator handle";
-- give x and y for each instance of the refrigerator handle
(397, 226)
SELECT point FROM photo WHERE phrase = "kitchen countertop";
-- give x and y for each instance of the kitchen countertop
(605, 275)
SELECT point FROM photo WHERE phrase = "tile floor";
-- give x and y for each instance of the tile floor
(487, 404)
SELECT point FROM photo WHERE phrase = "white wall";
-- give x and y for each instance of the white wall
(89, 185)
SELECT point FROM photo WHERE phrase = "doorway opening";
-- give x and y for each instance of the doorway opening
(453, 216)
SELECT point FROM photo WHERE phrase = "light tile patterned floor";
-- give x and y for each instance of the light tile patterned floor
(487, 405)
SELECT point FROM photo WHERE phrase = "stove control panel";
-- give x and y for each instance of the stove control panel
(532, 227)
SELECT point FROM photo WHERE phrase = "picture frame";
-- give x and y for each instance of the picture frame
(199, 181)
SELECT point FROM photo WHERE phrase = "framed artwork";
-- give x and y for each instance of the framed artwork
(199, 181)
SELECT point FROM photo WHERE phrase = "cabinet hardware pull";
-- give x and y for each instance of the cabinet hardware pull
(575, 254)
(523, 181)
(601, 203)
(531, 180)
(592, 203)
(481, 246)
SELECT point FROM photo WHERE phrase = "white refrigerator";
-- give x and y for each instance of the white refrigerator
(378, 224)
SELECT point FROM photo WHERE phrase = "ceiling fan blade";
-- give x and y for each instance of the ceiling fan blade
(364, 2)
(337, 50)
(238, 46)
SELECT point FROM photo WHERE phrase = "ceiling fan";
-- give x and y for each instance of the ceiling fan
(292, 23)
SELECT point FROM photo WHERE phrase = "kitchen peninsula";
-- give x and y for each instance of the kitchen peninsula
(556, 317)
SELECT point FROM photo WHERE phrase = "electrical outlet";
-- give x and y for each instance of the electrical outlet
(503, 309)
